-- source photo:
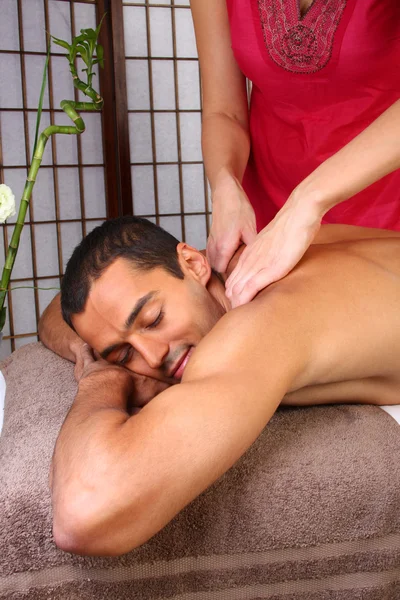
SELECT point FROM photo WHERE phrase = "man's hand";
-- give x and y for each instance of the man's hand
(144, 388)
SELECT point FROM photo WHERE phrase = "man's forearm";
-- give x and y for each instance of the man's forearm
(56, 334)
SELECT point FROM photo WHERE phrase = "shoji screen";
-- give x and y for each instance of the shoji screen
(69, 196)
(164, 103)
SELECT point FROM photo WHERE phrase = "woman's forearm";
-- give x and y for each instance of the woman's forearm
(226, 147)
(371, 155)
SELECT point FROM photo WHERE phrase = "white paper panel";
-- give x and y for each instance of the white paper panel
(19, 342)
(91, 139)
(10, 72)
(193, 188)
(135, 32)
(166, 139)
(190, 128)
(94, 190)
(160, 32)
(188, 85)
(63, 88)
(69, 193)
(34, 28)
(85, 16)
(9, 36)
(185, 39)
(140, 138)
(34, 66)
(5, 346)
(173, 225)
(168, 189)
(71, 235)
(23, 262)
(195, 231)
(24, 317)
(137, 83)
(143, 190)
(13, 138)
(163, 85)
(43, 197)
(182, 2)
(46, 249)
(90, 225)
(47, 295)
(165, 2)
(66, 145)
(59, 22)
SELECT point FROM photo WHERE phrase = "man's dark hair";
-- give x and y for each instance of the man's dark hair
(135, 239)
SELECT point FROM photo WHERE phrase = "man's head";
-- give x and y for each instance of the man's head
(139, 297)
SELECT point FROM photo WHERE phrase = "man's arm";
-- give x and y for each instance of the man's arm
(57, 335)
(117, 479)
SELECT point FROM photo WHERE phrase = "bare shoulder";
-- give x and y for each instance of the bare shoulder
(339, 233)
(334, 317)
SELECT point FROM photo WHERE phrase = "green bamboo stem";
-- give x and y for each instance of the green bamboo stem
(68, 106)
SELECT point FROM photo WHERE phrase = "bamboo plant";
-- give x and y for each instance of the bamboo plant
(86, 47)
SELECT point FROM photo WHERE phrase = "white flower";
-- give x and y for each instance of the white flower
(7, 202)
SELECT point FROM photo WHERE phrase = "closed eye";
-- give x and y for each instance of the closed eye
(156, 321)
(125, 357)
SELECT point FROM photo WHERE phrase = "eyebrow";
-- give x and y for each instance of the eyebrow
(130, 320)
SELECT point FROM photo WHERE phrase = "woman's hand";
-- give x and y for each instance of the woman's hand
(233, 223)
(276, 250)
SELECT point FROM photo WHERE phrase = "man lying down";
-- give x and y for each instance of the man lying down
(135, 448)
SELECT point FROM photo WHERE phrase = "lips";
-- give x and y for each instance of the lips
(177, 371)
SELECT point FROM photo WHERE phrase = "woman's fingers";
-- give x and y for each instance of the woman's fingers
(221, 250)
(275, 252)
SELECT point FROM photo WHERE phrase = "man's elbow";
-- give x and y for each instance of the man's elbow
(79, 529)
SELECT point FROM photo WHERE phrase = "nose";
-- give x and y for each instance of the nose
(153, 351)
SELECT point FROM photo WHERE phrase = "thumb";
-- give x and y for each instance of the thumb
(249, 235)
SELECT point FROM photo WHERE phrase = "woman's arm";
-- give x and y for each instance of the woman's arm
(371, 155)
(225, 131)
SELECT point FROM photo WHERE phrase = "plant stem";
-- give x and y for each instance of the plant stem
(68, 106)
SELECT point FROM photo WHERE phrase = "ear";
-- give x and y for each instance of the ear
(193, 263)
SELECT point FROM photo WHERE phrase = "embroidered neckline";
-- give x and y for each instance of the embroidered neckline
(300, 43)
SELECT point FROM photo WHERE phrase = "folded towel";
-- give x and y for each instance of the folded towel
(310, 512)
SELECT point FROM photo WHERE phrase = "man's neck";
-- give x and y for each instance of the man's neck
(216, 285)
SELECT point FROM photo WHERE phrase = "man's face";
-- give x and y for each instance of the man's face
(149, 322)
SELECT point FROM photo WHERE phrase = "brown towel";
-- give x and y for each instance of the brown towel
(310, 512)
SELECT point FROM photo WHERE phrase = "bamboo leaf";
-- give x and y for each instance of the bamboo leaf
(99, 53)
(90, 33)
(61, 43)
(84, 53)
(40, 104)
(99, 26)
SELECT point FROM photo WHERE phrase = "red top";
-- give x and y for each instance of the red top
(318, 81)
